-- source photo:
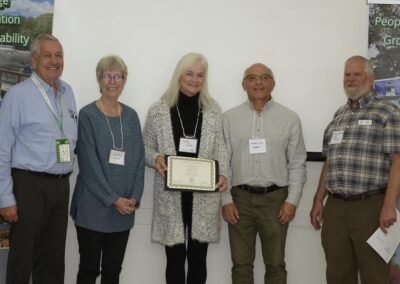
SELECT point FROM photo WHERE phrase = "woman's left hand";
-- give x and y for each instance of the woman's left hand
(222, 184)
(125, 206)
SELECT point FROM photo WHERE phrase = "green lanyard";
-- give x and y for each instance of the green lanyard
(47, 100)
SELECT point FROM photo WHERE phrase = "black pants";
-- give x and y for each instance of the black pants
(194, 251)
(37, 240)
(93, 246)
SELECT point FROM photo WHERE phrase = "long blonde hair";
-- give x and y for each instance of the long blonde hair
(170, 96)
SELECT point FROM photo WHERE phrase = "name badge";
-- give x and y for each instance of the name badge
(187, 145)
(257, 145)
(117, 157)
(337, 137)
(63, 151)
(365, 122)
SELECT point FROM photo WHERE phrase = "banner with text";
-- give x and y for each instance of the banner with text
(384, 52)
(384, 49)
(20, 22)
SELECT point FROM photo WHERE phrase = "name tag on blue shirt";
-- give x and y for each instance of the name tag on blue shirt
(63, 151)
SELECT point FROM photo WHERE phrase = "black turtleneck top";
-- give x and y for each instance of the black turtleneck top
(188, 108)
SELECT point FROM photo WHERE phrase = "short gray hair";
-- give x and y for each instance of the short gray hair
(111, 62)
(35, 45)
(246, 72)
(368, 68)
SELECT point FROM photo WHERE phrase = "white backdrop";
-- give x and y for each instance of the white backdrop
(304, 42)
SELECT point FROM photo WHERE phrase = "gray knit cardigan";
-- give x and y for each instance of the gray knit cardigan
(167, 225)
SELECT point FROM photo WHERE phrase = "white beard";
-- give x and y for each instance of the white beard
(358, 94)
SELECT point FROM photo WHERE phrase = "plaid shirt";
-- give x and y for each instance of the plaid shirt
(361, 162)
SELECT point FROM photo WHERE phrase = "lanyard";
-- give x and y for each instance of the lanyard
(49, 104)
(183, 129)
(109, 127)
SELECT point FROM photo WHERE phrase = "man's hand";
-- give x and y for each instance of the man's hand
(161, 167)
(316, 214)
(230, 213)
(287, 213)
(387, 217)
(9, 214)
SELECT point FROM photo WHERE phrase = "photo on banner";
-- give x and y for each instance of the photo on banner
(384, 53)
(384, 49)
(20, 22)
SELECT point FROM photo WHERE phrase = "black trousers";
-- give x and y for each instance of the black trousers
(193, 250)
(107, 247)
(37, 240)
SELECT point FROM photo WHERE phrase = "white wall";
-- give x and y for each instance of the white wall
(304, 42)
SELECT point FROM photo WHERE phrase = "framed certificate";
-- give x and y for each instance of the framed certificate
(191, 174)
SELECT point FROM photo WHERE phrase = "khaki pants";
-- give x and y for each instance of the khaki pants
(346, 227)
(258, 214)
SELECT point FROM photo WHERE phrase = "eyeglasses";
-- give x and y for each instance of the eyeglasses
(261, 77)
(107, 77)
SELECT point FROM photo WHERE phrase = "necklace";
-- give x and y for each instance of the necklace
(109, 126)
(183, 128)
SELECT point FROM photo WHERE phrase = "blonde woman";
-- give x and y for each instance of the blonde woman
(185, 222)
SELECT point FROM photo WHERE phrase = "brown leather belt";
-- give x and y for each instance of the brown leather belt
(360, 196)
(41, 174)
(259, 189)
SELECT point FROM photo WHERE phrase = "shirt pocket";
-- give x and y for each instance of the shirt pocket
(40, 148)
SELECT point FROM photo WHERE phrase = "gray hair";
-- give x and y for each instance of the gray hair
(246, 72)
(170, 96)
(368, 68)
(35, 45)
(111, 62)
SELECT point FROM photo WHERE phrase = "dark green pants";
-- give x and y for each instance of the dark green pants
(258, 214)
(346, 227)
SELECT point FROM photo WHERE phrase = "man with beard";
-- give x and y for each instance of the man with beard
(361, 176)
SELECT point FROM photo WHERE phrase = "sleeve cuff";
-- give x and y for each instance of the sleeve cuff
(7, 201)
(226, 197)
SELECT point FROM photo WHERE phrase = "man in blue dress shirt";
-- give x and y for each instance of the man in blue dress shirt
(38, 132)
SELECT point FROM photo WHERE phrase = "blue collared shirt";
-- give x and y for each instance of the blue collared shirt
(29, 130)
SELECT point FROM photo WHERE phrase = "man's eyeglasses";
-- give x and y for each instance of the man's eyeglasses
(255, 77)
(108, 77)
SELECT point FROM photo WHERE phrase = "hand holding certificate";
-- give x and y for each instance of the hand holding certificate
(193, 174)
(385, 244)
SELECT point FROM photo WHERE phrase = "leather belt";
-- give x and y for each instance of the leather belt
(259, 189)
(360, 196)
(41, 174)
